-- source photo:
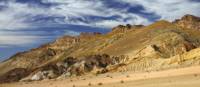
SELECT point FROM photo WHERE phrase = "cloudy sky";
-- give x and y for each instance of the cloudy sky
(25, 24)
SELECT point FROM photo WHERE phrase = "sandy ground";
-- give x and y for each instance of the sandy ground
(183, 77)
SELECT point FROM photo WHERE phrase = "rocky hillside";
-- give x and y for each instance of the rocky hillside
(188, 21)
(138, 48)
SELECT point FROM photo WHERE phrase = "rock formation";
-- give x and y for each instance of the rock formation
(188, 21)
(137, 48)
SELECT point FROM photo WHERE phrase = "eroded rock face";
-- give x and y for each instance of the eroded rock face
(166, 45)
(125, 28)
(70, 66)
(120, 59)
(64, 42)
(84, 36)
(188, 21)
(14, 75)
(46, 72)
(67, 62)
(44, 75)
(91, 63)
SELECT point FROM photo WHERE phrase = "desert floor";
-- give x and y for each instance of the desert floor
(182, 77)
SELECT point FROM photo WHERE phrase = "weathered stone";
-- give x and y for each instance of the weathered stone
(188, 21)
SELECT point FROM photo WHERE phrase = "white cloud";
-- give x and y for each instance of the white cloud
(69, 9)
(134, 19)
(72, 33)
(22, 38)
(168, 9)
(18, 40)
(8, 20)
(16, 15)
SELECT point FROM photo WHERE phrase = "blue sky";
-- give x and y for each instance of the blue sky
(25, 24)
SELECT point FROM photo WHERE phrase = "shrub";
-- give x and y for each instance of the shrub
(100, 83)
(127, 76)
(122, 81)
(89, 84)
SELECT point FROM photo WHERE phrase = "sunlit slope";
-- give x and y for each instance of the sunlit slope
(158, 46)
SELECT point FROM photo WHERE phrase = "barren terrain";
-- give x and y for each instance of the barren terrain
(182, 77)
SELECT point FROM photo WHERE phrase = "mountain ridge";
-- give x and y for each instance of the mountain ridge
(126, 48)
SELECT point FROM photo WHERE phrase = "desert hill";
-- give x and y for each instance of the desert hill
(161, 45)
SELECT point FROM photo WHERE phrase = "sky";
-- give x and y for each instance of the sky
(26, 24)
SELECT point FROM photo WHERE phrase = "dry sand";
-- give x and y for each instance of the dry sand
(183, 77)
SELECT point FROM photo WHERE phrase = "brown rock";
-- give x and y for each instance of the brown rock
(188, 21)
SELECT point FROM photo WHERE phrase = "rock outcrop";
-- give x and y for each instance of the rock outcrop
(95, 64)
(14, 75)
(125, 28)
(64, 42)
(188, 21)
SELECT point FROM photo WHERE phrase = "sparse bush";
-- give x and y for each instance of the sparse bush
(122, 81)
(71, 80)
(127, 76)
(89, 84)
(128, 26)
(195, 75)
(109, 76)
(100, 83)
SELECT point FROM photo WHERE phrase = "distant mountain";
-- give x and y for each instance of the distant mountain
(161, 45)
